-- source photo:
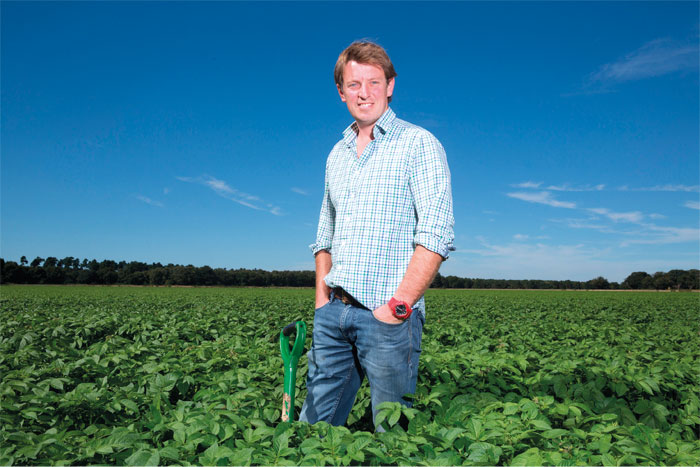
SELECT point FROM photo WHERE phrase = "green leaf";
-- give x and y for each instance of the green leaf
(642, 406)
(474, 429)
(450, 434)
(645, 386)
(155, 413)
(381, 416)
(241, 456)
(660, 412)
(310, 445)
(530, 457)
(560, 388)
(56, 384)
(608, 460)
(510, 408)
(129, 404)
(620, 389)
(104, 449)
(529, 409)
(556, 433)
(395, 415)
(169, 452)
(541, 424)
(484, 453)
(143, 457)
(29, 452)
(652, 384)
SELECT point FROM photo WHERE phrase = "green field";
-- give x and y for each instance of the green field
(122, 375)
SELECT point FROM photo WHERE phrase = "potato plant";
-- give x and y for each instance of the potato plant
(147, 376)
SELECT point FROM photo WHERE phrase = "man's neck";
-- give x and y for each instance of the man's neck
(365, 132)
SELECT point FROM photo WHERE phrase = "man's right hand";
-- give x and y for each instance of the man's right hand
(323, 267)
(322, 300)
(384, 314)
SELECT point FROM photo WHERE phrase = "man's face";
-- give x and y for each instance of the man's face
(366, 92)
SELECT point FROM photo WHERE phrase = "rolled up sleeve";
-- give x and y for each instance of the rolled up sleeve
(326, 223)
(431, 188)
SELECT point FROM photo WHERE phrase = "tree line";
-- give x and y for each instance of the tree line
(70, 270)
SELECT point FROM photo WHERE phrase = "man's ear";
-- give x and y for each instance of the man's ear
(390, 88)
(340, 92)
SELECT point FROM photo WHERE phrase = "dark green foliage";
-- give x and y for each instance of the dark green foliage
(141, 376)
(71, 270)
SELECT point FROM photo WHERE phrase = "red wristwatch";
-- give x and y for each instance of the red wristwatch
(400, 310)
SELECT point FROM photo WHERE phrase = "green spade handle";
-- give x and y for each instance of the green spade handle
(290, 357)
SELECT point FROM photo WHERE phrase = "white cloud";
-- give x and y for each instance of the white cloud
(147, 200)
(527, 185)
(667, 187)
(587, 224)
(520, 237)
(634, 216)
(580, 262)
(541, 197)
(601, 187)
(656, 235)
(567, 187)
(536, 261)
(656, 58)
(299, 191)
(219, 186)
(561, 187)
(692, 204)
(637, 232)
(222, 189)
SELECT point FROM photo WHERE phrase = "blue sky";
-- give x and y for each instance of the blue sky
(197, 133)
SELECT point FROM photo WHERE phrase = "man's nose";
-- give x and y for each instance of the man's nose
(364, 89)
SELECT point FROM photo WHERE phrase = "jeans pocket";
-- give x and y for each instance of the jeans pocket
(393, 325)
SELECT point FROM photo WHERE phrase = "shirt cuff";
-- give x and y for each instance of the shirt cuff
(316, 247)
(434, 243)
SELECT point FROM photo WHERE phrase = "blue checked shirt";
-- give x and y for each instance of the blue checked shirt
(378, 207)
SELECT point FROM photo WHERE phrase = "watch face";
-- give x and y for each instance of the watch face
(400, 310)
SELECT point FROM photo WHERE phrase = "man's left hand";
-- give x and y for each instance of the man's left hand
(384, 314)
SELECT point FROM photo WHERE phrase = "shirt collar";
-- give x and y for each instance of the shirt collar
(380, 127)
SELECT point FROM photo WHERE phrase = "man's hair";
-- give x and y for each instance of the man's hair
(366, 53)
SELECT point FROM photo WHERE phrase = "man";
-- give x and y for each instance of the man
(385, 227)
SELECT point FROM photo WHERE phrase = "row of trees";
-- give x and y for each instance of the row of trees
(72, 270)
(675, 279)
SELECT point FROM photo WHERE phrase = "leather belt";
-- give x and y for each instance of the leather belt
(346, 298)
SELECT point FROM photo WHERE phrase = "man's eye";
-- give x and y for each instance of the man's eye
(352, 85)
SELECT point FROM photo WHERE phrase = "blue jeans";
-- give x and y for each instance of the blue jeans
(349, 343)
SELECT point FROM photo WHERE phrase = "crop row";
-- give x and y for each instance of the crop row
(99, 375)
